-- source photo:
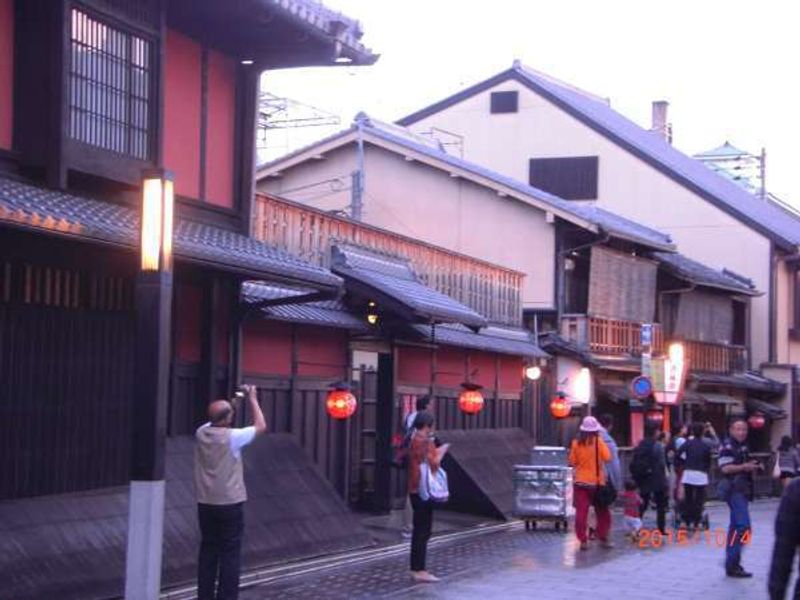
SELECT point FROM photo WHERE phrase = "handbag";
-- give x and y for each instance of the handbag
(606, 494)
(433, 486)
(776, 470)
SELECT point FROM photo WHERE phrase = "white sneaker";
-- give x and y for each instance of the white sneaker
(424, 577)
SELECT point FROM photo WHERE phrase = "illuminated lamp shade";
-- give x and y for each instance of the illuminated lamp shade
(341, 403)
(756, 421)
(559, 407)
(372, 313)
(156, 220)
(470, 400)
(533, 373)
(654, 416)
(676, 352)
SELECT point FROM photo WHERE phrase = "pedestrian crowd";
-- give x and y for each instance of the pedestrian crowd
(662, 468)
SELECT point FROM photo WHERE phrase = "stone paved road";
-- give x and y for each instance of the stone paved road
(547, 565)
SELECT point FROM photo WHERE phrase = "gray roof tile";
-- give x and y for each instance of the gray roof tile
(59, 213)
(503, 340)
(328, 313)
(393, 278)
(699, 274)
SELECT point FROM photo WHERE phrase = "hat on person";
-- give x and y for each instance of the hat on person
(590, 424)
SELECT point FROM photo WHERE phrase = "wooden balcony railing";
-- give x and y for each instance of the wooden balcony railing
(493, 291)
(612, 337)
(714, 358)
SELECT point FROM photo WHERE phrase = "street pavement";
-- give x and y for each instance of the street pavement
(544, 564)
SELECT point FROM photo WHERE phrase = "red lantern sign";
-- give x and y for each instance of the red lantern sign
(654, 416)
(470, 400)
(757, 420)
(341, 403)
(559, 407)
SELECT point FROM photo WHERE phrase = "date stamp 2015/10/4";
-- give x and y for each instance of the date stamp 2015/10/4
(653, 538)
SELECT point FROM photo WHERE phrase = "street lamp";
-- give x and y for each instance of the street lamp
(151, 368)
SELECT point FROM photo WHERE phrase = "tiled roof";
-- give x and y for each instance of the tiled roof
(603, 220)
(764, 217)
(699, 274)
(330, 23)
(391, 281)
(748, 381)
(31, 207)
(555, 344)
(769, 410)
(503, 340)
(328, 313)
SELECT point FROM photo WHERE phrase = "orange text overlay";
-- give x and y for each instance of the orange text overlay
(653, 538)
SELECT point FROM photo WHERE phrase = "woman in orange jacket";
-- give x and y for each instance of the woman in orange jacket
(588, 455)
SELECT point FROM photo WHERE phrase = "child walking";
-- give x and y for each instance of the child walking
(632, 502)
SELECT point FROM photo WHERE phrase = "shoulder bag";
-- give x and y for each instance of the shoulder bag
(432, 485)
(606, 494)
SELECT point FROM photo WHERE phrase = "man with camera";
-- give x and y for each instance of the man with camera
(219, 483)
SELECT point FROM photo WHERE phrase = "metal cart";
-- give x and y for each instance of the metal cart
(543, 493)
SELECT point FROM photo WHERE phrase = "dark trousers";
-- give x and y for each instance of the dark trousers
(423, 522)
(220, 551)
(660, 499)
(693, 502)
(739, 526)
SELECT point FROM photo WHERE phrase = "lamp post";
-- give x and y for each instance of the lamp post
(152, 360)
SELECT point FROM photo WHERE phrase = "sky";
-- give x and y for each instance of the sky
(729, 69)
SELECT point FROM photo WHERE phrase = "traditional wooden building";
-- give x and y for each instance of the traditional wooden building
(91, 94)
(536, 129)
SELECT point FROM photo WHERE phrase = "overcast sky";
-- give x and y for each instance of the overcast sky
(730, 69)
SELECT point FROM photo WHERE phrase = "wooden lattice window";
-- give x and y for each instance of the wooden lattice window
(111, 91)
(70, 288)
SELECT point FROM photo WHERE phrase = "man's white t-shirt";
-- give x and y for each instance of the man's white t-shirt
(240, 437)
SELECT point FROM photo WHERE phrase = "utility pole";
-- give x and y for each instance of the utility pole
(357, 188)
(763, 174)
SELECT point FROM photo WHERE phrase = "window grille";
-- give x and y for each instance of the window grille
(110, 87)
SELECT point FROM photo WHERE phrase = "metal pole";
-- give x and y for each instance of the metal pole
(763, 173)
(357, 192)
(152, 362)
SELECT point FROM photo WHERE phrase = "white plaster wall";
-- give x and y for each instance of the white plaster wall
(627, 185)
(422, 202)
(788, 351)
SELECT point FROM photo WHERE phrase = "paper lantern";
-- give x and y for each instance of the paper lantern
(756, 420)
(559, 407)
(533, 373)
(470, 400)
(341, 403)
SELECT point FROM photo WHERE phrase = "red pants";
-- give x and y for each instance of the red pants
(583, 498)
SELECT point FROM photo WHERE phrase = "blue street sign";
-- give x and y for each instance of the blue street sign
(642, 387)
(647, 334)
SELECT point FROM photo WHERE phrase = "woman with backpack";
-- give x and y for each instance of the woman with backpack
(787, 461)
(422, 451)
(589, 455)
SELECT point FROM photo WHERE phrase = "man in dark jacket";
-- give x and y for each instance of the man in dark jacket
(787, 538)
(649, 471)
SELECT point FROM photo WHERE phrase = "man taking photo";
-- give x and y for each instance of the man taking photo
(219, 483)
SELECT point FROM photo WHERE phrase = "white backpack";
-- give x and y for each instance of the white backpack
(433, 486)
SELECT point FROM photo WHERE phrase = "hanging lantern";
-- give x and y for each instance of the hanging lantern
(372, 313)
(559, 407)
(341, 403)
(470, 400)
(756, 420)
(654, 416)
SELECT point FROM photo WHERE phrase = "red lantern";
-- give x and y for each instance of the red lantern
(757, 420)
(654, 416)
(470, 400)
(341, 403)
(559, 407)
